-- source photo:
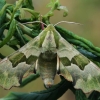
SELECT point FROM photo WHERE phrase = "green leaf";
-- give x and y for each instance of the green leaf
(52, 3)
(13, 42)
(20, 35)
(2, 3)
(28, 4)
(2, 28)
(79, 95)
(10, 33)
(51, 94)
(95, 59)
(29, 79)
(2, 12)
(35, 15)
(64, 9)
(94, 96)
(22, 14)
(18, 5)
(88, 54)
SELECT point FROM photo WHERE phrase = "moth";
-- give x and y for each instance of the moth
(50, 54)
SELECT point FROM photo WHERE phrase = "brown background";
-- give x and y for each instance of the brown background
(86, 12)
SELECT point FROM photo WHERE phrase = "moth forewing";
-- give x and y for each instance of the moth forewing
(66, 50)
(24, 59)
(65, 73)
(17, 65)
(88, 79)
(85, 74)
(31, 48)
(10, 76)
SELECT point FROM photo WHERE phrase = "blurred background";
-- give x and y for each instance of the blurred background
(86, 12)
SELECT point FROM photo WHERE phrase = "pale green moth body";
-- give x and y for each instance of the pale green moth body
(49, 53)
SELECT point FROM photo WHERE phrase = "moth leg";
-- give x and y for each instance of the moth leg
(58, 65)
(36, 66)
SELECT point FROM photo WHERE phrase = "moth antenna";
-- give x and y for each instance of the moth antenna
(58, 65)
(35, 22)
(42, 25)
(67, 22)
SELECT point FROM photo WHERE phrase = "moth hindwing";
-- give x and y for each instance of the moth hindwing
(49, 53)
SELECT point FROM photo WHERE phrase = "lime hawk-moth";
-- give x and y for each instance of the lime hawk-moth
(49, 53)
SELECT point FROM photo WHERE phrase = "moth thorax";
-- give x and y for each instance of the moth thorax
(49, 40)
(48, 55)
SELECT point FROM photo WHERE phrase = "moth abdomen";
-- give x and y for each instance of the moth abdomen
(47, 69)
